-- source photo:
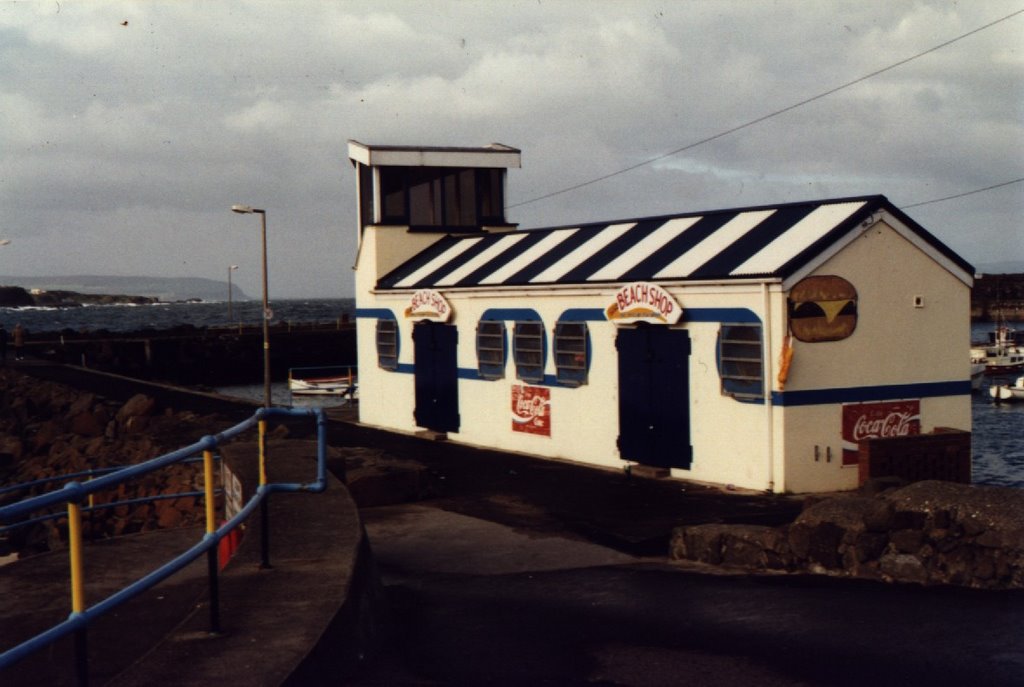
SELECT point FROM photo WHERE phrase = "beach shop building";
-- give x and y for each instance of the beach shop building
(751, 347)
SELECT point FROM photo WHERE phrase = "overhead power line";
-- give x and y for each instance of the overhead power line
(961, 195)
(768, 116)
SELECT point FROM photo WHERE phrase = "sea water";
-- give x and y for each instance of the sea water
(125, 318)
(997, 438)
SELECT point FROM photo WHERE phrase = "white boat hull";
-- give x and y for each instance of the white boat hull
(1007, 393)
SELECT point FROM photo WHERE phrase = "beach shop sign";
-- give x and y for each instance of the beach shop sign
(643, 302)
(428, 304)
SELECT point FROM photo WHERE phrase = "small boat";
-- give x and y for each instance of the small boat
(1004, 351)
(333, 381)
(1006, 393)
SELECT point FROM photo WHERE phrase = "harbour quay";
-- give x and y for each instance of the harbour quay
(199, 356)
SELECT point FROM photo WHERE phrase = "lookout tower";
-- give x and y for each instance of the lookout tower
(432, 189)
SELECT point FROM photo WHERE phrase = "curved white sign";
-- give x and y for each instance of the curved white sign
(643, 302)
(428, 304)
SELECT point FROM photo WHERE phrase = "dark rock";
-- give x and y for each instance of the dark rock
(699, 543)
(907, 541)
(903, 567)
(138, 405)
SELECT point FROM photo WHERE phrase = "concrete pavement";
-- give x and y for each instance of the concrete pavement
(477, 603)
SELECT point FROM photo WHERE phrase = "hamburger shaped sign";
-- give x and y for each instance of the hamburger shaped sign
(822, 309)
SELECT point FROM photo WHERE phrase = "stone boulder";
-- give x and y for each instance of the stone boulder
(928, 532)
(138, 405)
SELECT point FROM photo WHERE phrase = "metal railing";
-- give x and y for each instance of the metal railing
(93, 507)
(74, 493)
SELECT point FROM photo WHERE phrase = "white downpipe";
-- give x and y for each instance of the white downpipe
(769, 375)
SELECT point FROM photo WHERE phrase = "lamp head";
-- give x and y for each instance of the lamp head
(242, 209)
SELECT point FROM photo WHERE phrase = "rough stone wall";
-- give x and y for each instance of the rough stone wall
(48, 430)
(929, 532)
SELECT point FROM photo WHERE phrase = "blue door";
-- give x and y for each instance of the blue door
(654, 396)
(436, 377)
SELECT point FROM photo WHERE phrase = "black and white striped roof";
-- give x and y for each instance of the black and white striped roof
(763, 242)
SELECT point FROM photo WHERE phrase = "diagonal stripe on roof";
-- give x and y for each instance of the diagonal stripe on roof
(759, 242)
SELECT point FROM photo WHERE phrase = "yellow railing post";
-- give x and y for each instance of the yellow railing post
(75, 548)
(78, 589)
(208, 488)
(263, 452)
(212, 564)
(264, 507)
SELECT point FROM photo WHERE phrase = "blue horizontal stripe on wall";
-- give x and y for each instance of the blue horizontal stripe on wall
(375, 313)
(861, 394)
(511, 314)
(737, 315)
(582, 315)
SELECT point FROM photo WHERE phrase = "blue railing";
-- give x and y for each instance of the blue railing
(74, 493)
(91, 508)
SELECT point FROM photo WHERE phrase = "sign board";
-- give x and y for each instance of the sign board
(233, 497)
(878, 421)
(643, 302)
(531, 409)
(428, 304)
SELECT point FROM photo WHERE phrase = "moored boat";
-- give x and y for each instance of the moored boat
(1002, 353)
(1004, 393)
(323, 381)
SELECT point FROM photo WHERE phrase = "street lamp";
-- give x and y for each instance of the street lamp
(264, 509)
(249, 210)
(231, 268)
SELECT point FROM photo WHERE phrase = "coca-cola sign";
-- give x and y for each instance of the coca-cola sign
(531, 409)
(878, 421)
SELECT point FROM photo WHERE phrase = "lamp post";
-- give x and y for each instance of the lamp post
(264, 510)
(249, 210)
(231, 268)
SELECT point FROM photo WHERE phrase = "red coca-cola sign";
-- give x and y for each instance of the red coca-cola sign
(878, 421)
(531, 410)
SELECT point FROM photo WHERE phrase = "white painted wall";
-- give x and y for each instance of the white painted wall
(894, 343)
(749, 445)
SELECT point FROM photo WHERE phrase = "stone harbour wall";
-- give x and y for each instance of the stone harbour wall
(49, 430)
(928, 532)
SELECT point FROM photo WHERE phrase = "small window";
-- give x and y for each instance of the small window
(387, 344)
(528, 351)
(739, 360)
(570, 347)
(490, 349)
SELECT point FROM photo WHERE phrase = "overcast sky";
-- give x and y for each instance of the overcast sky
(128, 129)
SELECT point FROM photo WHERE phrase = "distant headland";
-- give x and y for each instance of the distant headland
(109, 290)
(19, 297)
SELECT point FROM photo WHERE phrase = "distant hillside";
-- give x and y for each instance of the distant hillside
(167, 289)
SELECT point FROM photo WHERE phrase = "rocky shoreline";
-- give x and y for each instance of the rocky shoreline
(48, 430)
(930, 532)
(18, 297)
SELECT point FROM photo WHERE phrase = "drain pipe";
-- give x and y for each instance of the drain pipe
(769, 375)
